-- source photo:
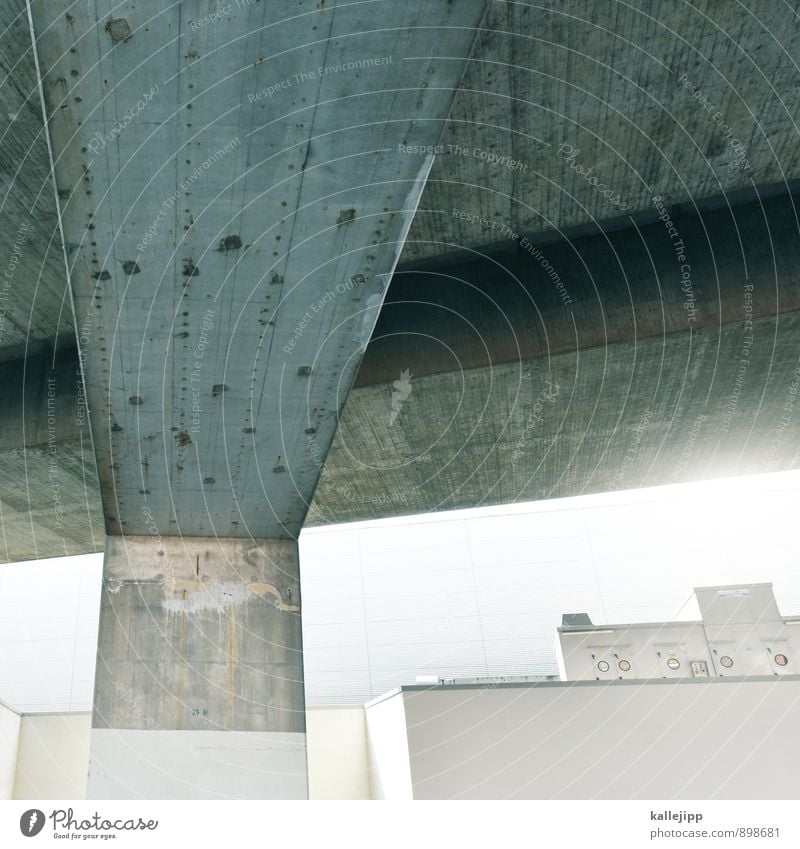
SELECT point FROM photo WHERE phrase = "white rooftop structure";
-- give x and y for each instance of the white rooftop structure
(741, 633)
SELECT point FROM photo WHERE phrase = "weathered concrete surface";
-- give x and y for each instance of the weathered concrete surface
(606, 80)
(654, 377)
(34, 296)
(540, 299)
(48, 484)
(234, 206)
(633, 414)
(200, 634)
(608, 86)
(49, 504)
(660, 392)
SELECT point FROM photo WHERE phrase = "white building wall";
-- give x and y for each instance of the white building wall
(9, 736)
(53, 756)
(687, 739)
(474, 593)
(48, 633)
(388, 748)
(338, 766)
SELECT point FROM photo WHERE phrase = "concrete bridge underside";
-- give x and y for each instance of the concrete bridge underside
(239, 198)
(658, 370)
(660, 379)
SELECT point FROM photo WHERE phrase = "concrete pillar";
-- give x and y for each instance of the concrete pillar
(199, 683)
(234, 195)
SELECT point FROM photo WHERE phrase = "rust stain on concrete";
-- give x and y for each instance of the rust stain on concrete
(195, 596)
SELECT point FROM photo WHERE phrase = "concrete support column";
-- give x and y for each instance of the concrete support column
(199, 683)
